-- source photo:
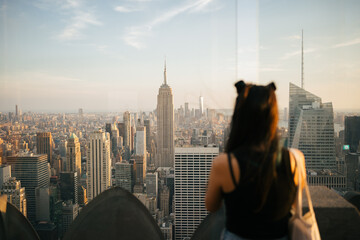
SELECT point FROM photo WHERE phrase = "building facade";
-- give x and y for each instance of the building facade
(69, 213)
(33, 172)
(98, 164)
(330, 179)
(124, 175)
(147, 127)
(352, 133)
(44, 144)
(69, 186)
(152, 184)
(15, 194)
(192, 169)
(165, 126)
(165, 200)
(127, 130)
(140, 164)
(311, 129)
(5, 174)
(73, 155)
(140, 145)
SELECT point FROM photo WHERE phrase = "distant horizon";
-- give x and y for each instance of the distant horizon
(281, 110)
(108, 55)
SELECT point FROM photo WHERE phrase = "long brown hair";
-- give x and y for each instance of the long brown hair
(253, 130)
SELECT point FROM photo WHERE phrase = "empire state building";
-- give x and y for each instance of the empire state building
(165, 126)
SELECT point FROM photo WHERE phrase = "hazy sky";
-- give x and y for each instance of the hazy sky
(60, 55)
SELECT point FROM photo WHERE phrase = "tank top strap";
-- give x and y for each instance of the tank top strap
(231, 171)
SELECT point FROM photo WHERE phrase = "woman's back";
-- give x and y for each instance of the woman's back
(242, 215)
(258, 188)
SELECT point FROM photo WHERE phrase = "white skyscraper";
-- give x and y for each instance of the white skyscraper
(192, 169)
(201, 105)
(98, 164)
(311, 128)
(140, 145)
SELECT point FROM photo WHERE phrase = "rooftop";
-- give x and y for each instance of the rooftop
(116, 213)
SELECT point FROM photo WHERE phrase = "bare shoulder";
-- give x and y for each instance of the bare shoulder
(301, 159)
(298, 154)
(220, 161)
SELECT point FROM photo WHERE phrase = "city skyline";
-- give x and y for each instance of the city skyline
(108, 57)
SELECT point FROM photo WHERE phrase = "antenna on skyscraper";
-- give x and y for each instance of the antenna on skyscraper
(165, 71)
(302, 58)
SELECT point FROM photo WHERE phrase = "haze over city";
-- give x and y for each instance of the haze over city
(109, 55)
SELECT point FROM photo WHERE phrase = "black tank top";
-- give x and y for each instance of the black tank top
(272, 220)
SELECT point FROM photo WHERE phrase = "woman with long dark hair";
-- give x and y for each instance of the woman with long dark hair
(256, 178)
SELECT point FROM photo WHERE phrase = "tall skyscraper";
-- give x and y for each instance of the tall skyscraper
(5, 174)
(73, 155)
(44, 144)
(69, 213)
(63, 149)
(33, 172)
(140, 145)
(152, 184)
(124, 175)
(115, 139)
(42, 199)
(127, 130)
(121, 127)
(311, 128)
(98, 164)
(140, 164)
(165, 200)
(165, 126)
(192, 169)
(352, 133)
(108, 128)
(147, 127)
(15, 194)
(201, 105)
(69, 186)
(187, 110)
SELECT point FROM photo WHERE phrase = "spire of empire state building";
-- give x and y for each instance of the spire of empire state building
(165, 83)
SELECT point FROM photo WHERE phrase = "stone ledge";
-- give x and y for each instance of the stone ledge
(336, 217)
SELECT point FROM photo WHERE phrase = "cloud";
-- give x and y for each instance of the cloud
(125, 9)
(80, 16)
(72, 3)
(348, 43)
(295, 53)
(59, 4)
(293, 37)
(194, 6)
(80, 21)
(139, 0)
(134, 35)
(202, 6)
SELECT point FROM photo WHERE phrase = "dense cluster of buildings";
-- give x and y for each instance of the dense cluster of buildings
(52, 165)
